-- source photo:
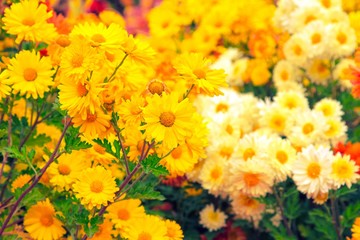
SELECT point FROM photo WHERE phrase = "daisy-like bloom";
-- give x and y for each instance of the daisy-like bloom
(336, 131)
(292, 100)
(20, 181)
(355, 229)
(275, 118)
(4, 88)
(306, 127)
(319, 198)
(29, 74)
(246, 207)
(131, 112)
(147, 227)
(174, 231)
(65, 171)
(40, 222)
(163, 22)
(282, 155)
(344, 171)
(28, 20)
(98, 154)
(104, 232)
(94, 125)
(167, 120)
(223, 147)
(342, 72)
(284, 72)
(342, 40)
(316, 33)
(138, 51)
(109, 16)
(212, 219)
(250, 177)
(124, 212)
(319, 71)
(312, 170)
(95, 187)
(194, 68)
(134, 140)
(251, 146)
(107, 39)
(329, 107)
(156, 86)
(296, 50)
(213, 175)
(304, 15)
(79, 59)
(179, 161)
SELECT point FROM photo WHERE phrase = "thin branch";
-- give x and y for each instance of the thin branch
(284, 218)
(335, 216)
(117, 68)
(122, 147)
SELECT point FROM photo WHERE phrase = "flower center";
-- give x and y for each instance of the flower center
(46, 220)
(176, 153)
(28, 21)
(156, 87)
(248, 153)
(308, 128)
(63, 41)
(316, 38)
(297, 50)
(309, 19)
(222, 107)
(96, 186)
(98, 38)
(99, 149)
(77, 60)
(199, 73)
(326, 3)
(64, 169)
(214, 216)
(229, 129)
(278, 123)
(82, 90)
(167, 119)
(281, 156)
(226, 152)
(251, 179)
(216, 173)
(144, 236)
(313, 170)
(284, 75)
(30, 74)
(135, 111)
(91, 117)
(123, 214)
(109, 56)
(341, 38)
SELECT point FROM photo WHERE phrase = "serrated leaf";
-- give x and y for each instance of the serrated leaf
(323, 223)
(351, 212)
(151, 165)
(145, 189)
(38, 140)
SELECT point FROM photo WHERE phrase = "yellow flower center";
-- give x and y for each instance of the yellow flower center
(91, 117)
(63, 41)
(281, 156)
(199, 73)
(216, 173)
(309, 19)
(284, 75)
(342, 169)
(99, 149)
(171, 233)
(308, 128)
(341, 38)
(316, 38)
(214, 216)
(144, 236)
(251, 179)
(30, 74)
(64, 169)
(96, 186)
(176, 153)
(98, 38)
(156, 87)
(326, 3)
(123, 214)
(290, 104)
(222, 107)
(321, 68)
(248, 153)
(109, 56)
(140, 145)
(226, 152)
(77, 60)
(277, 122)
(229, 129)
(313, 170)
(46, 220)
(167, 119)
(28, 21)
(82, 90)
(297, 50)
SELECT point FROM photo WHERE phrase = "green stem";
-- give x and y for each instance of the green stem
(117, 68)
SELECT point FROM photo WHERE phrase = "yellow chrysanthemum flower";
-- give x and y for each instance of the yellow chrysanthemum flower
(20, 181)
(355, 230)
(344, 171)
(130, 111)
(41, 223)
(4, 88)
(109, 16)
(212, 219)
(138, 51)
(95, 187)
(196, 70)
(167, 120)
(29, 74)
(147, 227)
(104, 232)
(98, 154)
(28, 20)
(174, 231)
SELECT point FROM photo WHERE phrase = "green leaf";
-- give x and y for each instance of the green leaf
(344, 191)
(323, 223)
(293, 208)
(73, 141)
(145, 189)
(38, 140)
(33, 197)
(351, 212)
(151, 165)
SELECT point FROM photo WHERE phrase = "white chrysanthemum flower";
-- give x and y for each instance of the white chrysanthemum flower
(330, 4)
(250, 177)
(235, 77)
(297, 49)
(316, 33)
(213, 175)
(225, 61)
(336, 15)
(344, 171)
(319, 71)
(285, 72)
(222, 147)
(336, 131)
(292, 100)
(281, 16)
(342, 40)
(251, 146)
(329, 107)
(306, 127)
(246, 207)
(341, 72)
(274, 118)
(282, 155)
(212, 219)
(303, 16)
(312, 170)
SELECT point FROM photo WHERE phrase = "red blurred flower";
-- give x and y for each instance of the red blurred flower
(351, 149)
